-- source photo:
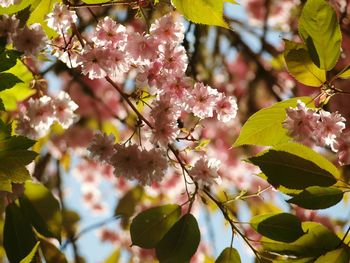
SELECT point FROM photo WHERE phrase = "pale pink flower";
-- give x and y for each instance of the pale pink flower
(202, 100)
(226, 108)
(206, 171)
(109, 33)
(177, 89)
(94, 62)
(30, 39)
(301, 123)
(102, 147)
(64, 108)
(164, 132)
(143, 166)
(150, 74)
(41, 112)
(165, 114)
(142, 48)
(126, 161)
(342, 147)
(117, 63)
(329, 128)
(167, 29)
(174, 59)
(154, 164)
(24, 127)
(61, 18)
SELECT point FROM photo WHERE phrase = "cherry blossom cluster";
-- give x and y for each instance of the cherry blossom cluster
(27, 39)
(158, 62)
(316, 126)
(158, 58)
(129, 161)
(35, 120)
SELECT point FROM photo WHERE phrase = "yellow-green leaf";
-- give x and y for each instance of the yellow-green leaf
(208, 12)
(29, 258)
(300, 65)
(319, 28)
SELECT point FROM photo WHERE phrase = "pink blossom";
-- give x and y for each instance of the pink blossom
(206, 171)
(165, 115)
(342, 147)
(30, 39)
(117, 63)
(174, 59)
(25, 128)
(102, 147)
(142, 48)
(167, 29)
(94, 62)
(202, 100)
(226, 108)
(329, 128)
(134, 164)
(61, 18)
(110, 34)
(301, 123)
(41, 112)
(64, 108)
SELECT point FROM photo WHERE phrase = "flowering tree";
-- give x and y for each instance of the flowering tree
(178, 108)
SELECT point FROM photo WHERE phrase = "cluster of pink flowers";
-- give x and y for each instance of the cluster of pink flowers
(129, 161)
(27, 39)
(35, 120)
(316, 126)
(158, 60)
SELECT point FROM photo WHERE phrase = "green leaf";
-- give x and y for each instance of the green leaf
(229, 255)
(15, 173)
(319, 28)
(339, 255)
(20, 91)
(8, 80)
(345, 74)
(300, 65)
(51, 253)
(316, 241)
(8, 59)
(296, 166)
(181, 242)
(19, 238)
(14, 156)
(282, 227)
(265, 126)
(16, 143)
(150, 226)
(127, 204)
(30, 256)
(43, 209)
(316, 197)
(208, 12)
